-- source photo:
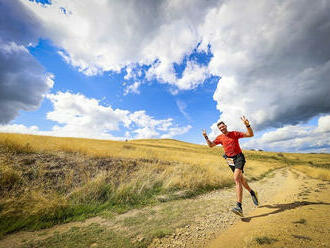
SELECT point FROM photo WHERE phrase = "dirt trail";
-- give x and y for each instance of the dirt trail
(296, 216)
(286, 197)
(215, 216)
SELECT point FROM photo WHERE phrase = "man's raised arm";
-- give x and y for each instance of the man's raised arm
(249, 132)
(209, 142)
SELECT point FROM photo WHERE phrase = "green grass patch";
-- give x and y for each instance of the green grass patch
(265, 240)
(81, 237)
(319, 165)
(160, 233)
(301, 221)
(268, 173)
(18, 221)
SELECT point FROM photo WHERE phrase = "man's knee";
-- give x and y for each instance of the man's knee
(238, 176)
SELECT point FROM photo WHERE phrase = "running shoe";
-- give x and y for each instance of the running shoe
(237, 210)
(255, 198)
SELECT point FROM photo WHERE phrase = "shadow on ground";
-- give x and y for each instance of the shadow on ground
(282, 207)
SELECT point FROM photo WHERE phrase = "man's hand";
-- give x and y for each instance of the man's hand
(249, 132)
(245, 121)
(204, 133)
(209, 143)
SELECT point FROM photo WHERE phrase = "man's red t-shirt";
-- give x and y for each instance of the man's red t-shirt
(230, 142)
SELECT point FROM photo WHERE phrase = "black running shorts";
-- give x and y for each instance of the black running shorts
(239, 161)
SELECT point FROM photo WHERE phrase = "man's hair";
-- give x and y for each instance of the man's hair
(220, 122)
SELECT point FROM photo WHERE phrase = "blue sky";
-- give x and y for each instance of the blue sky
(156, 99)
(109, 70)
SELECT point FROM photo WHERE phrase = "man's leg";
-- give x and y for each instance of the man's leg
(238, 180)
(245, 184)
(239, 192)
(253, 194)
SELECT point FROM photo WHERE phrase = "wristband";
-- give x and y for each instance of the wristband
(206, 137)
(248, 126)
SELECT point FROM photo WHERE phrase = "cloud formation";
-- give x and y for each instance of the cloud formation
(274, 60)
(17, 24)
(133, 88)
(182, 108)
(79, 116)
(295, 138)
(23, 81)
(112, 35)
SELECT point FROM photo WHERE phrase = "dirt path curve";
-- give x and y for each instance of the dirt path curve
(296, 216)
(206, 220)
(216, 216)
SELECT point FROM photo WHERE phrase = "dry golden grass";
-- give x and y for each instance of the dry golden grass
(318, 173)
(46, 180)
(34, 203)
(9, 177)
(166, 150)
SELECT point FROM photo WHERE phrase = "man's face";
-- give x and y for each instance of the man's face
(223, 128)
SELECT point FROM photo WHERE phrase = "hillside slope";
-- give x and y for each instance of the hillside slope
(138, 191)
(293, 213)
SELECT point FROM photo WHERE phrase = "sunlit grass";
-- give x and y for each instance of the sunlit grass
(167, 150)
(318, 173)
(48, 180)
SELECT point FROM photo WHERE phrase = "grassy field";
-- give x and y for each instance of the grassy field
(48, 180)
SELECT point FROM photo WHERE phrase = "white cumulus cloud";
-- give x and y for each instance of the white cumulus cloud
(273, 57)
(79, 116)
(295, 138)
(98, 36)
(133, 88)
(274, 60)
(19, 128)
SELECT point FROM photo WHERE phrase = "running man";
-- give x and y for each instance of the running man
(235, 159)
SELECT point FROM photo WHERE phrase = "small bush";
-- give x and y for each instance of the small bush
(96, 191)
(301, 221)
(9, 178)
(161, 233)
(265, 240)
